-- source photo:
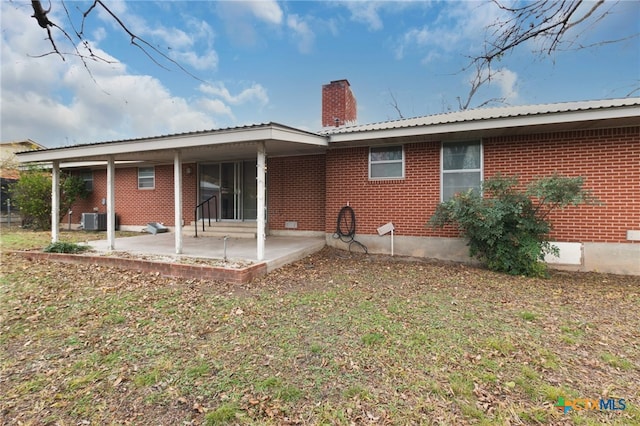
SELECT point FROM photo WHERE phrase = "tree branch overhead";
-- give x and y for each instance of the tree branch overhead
(153, 53)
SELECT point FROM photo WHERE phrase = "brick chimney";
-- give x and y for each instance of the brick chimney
(338, 104)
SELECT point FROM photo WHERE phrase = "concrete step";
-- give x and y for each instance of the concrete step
(230, 224)
(227, 229)
(218, 234)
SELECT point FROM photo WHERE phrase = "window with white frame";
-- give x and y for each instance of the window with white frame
(461, 167)
(87, 177)
(386, 162)
(146, 177)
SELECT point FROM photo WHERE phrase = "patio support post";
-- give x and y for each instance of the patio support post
(111, 200)
(55, 201)
(261, 169)
(177, 186)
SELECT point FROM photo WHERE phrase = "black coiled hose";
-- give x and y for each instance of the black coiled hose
(346, 228)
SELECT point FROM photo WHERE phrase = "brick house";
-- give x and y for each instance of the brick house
(395, 171)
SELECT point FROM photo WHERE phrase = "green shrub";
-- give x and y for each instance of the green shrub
(507, 226)
(32, 194)
(65, 247)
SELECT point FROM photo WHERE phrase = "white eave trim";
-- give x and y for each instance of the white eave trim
(227, 137)
(487, 124)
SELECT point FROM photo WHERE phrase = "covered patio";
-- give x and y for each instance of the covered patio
(279, 250)
(256, 141)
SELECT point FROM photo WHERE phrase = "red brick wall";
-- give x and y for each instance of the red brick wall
(608, 160)
(408, 203)
(296, 192)
(338, 102)
(139, 206)
(312, 189)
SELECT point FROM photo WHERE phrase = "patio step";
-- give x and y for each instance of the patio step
(227, 229)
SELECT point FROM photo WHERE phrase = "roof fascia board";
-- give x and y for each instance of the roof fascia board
(487, 124)
(287, 134)
(93, 165)
(240, 135)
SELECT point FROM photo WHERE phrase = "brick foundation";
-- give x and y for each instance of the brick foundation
(178, 270)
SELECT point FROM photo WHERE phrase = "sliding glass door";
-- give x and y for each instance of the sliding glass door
(234, 185)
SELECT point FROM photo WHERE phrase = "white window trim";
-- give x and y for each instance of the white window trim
(403, 161)
(147, 177)
(442, 171)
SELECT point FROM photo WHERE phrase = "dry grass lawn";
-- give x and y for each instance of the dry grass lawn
(332, 339)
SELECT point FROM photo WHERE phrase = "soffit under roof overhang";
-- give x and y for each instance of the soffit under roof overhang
(216, 145)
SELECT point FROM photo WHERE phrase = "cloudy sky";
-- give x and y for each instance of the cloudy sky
(255, 62)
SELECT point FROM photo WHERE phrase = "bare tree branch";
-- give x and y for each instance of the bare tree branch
(40, 14)
(152, 52)
(480, 78)
(635, 91)
(43, 20)
(546, 21)
(394, 104)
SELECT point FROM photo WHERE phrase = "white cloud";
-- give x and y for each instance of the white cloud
(302, 33)
(174, 38)
(99, 34)
(266, 10)
(370, 12)
(244, 22)
(134, 105)
(174, 42)
(57, 102)
(415, 39)
(217, 107)
(207, 61)
(254, 93)
(507, 81)
(431, 57)
(459, 28)
(367, 13)
(242, 18)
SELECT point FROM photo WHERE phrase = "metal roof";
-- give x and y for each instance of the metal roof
(183, 134)
(235, 142)
(483, 114)
(226, 143)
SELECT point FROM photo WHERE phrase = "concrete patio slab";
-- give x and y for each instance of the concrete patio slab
(279, 250)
